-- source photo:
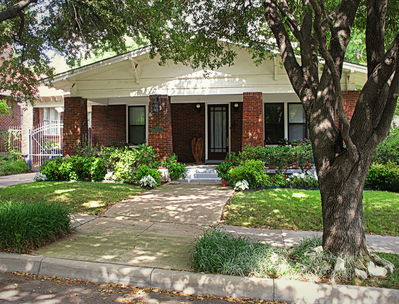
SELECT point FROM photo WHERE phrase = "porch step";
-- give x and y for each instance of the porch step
(201, 174)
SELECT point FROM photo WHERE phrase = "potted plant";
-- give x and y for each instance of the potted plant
(223, 171)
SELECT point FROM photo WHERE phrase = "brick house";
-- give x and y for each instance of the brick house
(133, 100)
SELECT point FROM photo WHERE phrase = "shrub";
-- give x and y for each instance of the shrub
(51, 168)
(148, 182)
(278, 180)
(176, 169)
(223, 169)
(241, 185)
(253, 171)
(383, 177)
(144, 171)
(388, 149)
(25, 226)
(40, 177)
(303, 180)
(98, 169)
(13, 167)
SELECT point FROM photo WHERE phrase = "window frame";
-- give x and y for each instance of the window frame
(295, 123)
(129, 125)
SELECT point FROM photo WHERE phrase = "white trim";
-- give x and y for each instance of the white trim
(206, 131)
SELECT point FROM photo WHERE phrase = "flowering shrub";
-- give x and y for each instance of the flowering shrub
(303, 180)
(40, 177)
(241, 185)
(148, 182)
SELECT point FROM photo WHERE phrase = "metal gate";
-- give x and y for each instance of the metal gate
(45, 142)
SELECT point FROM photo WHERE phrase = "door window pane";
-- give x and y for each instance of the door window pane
(137, 125)
(274, 123)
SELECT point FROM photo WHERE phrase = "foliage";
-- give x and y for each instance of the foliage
(296, 209)
(223, 169)
(98, 169)
(123, 162)
(282, 156)
(303, 180)
(278, 180)
(176, 169)
(383, 177)
(4, 107)
(145, 171)
(27, 226)
(388, 150)
(40, 177)
(12, 166)
(148, 182)
(51, 168)
(87, 150)
(217, 251)
(80, 197)
(241, 185)
(253, 171)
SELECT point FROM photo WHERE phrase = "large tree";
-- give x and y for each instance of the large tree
(306, 33)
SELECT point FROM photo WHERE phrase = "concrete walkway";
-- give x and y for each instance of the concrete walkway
(154, 229)
(10, 180)
(288, 238)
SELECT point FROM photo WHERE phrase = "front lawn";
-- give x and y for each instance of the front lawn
(80, 197)
(295, 209)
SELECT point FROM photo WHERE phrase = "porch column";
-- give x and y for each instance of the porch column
(75, 124)
(252, 120)
(160, 125)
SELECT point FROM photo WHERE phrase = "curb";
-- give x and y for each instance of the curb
(198, 283)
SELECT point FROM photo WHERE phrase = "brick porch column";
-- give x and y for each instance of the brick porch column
(252, 120)
(160, 125)
(75, 124)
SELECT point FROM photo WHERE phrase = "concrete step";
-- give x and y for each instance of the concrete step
(204, 175)
(201, 180)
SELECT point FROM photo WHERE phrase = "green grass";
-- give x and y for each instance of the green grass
(80, 197)
(294, 209)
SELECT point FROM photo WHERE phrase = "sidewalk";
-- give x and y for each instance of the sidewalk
(154, 229)
(288, 238)
(10, 180)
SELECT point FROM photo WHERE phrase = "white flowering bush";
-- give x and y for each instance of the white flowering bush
(40, 177)
(109, 176)
(148, 182)
(241, 185)
(303, 180)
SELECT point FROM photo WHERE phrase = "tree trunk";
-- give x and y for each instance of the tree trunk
(341, 188)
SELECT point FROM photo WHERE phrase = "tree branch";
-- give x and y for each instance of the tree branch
(335, 74)
(13, 11)
(286, 50)
(375, 32)
(292, 23)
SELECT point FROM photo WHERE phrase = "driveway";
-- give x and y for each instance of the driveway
(155, 229)
(10, 180)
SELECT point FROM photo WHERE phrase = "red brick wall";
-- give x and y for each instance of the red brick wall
(252, 125)
(13, 119)
(75, 123)
(187, 122)
(109, 125)
(350, 100)
(160, 125)
(236, 126)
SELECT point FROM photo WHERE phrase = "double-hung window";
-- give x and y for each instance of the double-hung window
(137, 125)
(296, 122)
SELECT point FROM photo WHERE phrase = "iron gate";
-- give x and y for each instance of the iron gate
(45, 142)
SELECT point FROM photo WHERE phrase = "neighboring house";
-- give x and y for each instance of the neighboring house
(133, 100)
(10, 127)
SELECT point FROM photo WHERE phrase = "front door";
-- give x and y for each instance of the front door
(218, 132)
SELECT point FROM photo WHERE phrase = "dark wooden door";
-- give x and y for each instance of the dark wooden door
(218, 131)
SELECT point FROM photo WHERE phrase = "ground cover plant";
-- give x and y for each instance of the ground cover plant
(12, 164)
(296, 209)
(80, 197)
(25, 226)
(218, 251)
